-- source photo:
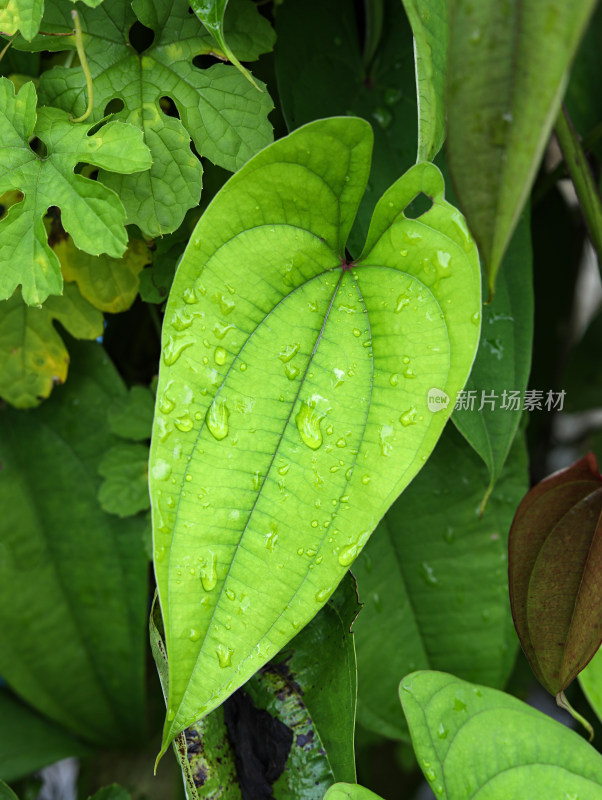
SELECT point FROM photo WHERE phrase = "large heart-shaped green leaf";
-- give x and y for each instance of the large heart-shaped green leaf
(292, 402)
(476, 742)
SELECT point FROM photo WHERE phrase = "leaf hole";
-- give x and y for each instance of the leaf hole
(141, 37)
(114, 106)
(38, 147)
(419, 206)
(8, 199)
(168, 107)
(206, 61)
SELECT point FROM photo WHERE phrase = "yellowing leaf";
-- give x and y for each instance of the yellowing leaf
(21, 15)
(110, 284)
(33, 357)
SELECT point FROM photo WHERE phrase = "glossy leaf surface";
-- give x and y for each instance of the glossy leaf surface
(29, 742)
(292, 397)
(83, 664)
(223, 114)
(91, 213)
(499, 120)
(472, 741)
(433, 581)
(555, 563)
(493, 397)
(590, 679)
(33, 355)
(429, 21)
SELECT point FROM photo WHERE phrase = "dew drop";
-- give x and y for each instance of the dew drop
(194, 635)
(409, 373)
(291, 371)
(288, 352)
(230, 594)
(366, 480)
(442, 731)
(220, 329)
(402, 301)
(348, 555)
(428, 574)
(224, 655)
(385, 434)
(476, 318)
(174, 347)
(323, 594)
(181, 319)
(271, 538)
(190, 297)
(184, 423)
(256, 481)
(208, 573)
(408, 417)
(217, 419)
(394, 379)
(308, 423)
(220, 356)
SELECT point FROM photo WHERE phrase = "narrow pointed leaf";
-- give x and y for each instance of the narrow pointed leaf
(292, 398)
(555, 562)
(73, 580)
(499, 119)
(429, 21)
(433, 581)
(491, 406)
(472, 741)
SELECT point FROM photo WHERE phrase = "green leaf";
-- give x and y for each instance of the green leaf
(349, 791)
(33, 356)
(6, 793)
(113, 792)
(554, 552)
(21, 15)
(91, 213)
(499, 120)
(212, 13)
(29, 742)
(501, 369)
(581, 378)
(73, 580)
(110, 284)
(321, 73)
(472, 741)
(433, 581)
(225, 116)
(284, 373)
(131, 416)
(585, 85)
(429, 21)
(590, 679)
(125, 489)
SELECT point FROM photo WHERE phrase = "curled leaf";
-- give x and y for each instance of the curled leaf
(555, 567)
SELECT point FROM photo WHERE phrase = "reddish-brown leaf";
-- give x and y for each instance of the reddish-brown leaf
(555, 573)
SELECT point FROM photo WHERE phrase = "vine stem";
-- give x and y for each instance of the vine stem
(10, 41)
(562, 702)
(583, 180)
(79, 43)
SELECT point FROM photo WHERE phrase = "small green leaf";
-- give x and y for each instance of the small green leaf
(73, 580)
(429, 21)
(304, 380)
(21, 15)
(500, 118)
(433, 582)
(91, 213)
(124, 490)
(493, 396)
(131, 417)
(6, 793)
(33, 356)
(110, 284)
(29, 742)
(350, 791)
(472, 741)
(225, 116)
(554, 556)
